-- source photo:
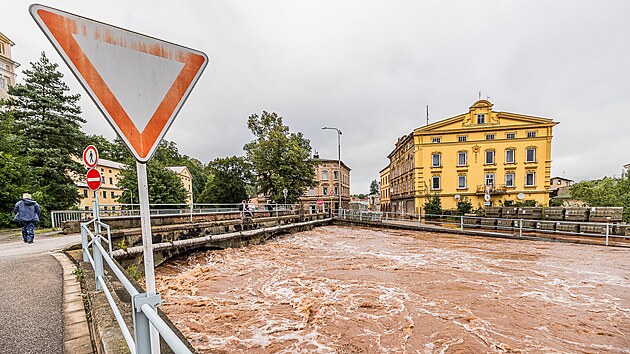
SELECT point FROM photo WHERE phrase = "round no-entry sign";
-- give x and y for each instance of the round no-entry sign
(90, 156)
(320, 202)
(93, 179)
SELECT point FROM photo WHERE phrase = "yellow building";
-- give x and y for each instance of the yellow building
(7, 66)
(490, 158)
(385, 189)
(186, 177)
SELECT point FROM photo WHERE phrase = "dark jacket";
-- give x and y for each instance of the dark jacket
(26, 210)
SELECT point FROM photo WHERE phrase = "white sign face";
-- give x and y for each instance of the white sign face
(139, 82)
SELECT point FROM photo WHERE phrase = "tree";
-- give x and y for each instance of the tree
(375, 187)
(229, 181)
(280, 159)
(165, 186)
(433, 204)
(608, 191)
(464, 206)
(48, 119)
(114, 151)
(13, 168)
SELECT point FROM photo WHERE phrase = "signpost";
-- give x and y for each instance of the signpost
(93, 179)
(285, 192)
(138, 82)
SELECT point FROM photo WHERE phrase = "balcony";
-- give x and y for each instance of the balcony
(491, 189)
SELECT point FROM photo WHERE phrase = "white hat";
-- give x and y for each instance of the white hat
(26, 196)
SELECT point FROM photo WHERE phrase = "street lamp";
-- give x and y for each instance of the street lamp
(339, 167)
(130, 191)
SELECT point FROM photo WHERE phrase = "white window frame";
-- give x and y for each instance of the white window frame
(312, 191)
(531, 134)
(459, 182)
(489, 177)
(513, 156)
(325, 175)
(493, 157)
(506, 179)
(490, 136)
(533, 175)
(336, 175)
(459, 154)
(510, 135)
(527, 154)
(436, 140)
(462, 138)
(324, 190)
(439, 160)
(481, 118)
(439, 183)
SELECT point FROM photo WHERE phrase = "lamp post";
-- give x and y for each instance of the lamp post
(131, 192)
(339, 166)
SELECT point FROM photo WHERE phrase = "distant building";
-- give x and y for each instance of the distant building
(328, 185)
(385, 189)
(490, 158)
(186, 177)
(8, 77)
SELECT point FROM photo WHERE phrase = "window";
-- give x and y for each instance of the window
(4, 82)
(530, 155)
(435, 182)
(85, 193)
(103, 179)
(436, 140)
(104, 194)
(462, 158)
(489, 136)
(336, 190)
(489, 179)
(462, 139)
(325, 190)
(461, 182)
(510, 136)
(336, 175)
(509, 156)
(312, 191)
(2, 48)
(481, 118)
(112, 194)
(531, 134)
(436, 160)
(530, 179)
(111, 180)
(489, 157)
(509, 180)
(324, 176)
(110, 171)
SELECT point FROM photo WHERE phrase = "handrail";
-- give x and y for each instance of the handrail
(166, 332)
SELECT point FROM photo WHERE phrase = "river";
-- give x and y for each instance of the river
(357, 290)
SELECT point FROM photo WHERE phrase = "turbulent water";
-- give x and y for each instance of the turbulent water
(353, 290)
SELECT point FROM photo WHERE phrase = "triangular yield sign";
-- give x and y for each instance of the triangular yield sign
(139, 83)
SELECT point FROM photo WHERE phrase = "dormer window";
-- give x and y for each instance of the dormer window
(481, 119)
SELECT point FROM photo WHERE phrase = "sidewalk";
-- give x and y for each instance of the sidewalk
(41, 308)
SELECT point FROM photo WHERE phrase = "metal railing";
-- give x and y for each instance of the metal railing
(520, 225)
(125, 210)
(143, 305)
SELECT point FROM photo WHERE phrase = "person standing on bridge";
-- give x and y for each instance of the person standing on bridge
(27, 213)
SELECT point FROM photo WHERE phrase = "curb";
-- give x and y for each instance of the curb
(76, 333)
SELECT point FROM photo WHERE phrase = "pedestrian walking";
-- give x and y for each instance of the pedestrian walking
(27, 213)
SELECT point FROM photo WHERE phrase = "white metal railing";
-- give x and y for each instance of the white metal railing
(520, 225)
(143, 305)
(125, 210)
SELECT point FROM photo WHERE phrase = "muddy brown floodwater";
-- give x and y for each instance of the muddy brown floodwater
(355, 290)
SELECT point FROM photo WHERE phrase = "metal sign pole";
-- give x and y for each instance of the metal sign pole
(147, 244)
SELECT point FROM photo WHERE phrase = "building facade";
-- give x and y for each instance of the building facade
(8, 66)
(385, 189)
(186, 177)
(329, 183)
(487, 157)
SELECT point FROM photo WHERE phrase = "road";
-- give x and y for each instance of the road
(31, 294)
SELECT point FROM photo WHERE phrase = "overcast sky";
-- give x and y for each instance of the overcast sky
(369, 68)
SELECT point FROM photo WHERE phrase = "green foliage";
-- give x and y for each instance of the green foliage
(554, 202)
(229, 181)
(280, 159)
(433, 204)
(113, 151)
(606, 192)
(165, 187)
(79, 274)
(360, 196)
(375, 187)
(134, 271)
(464, 206)
(41, 126)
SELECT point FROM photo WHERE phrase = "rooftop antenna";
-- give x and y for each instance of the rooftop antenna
(487, 98)
(427, 114)
(480, 94)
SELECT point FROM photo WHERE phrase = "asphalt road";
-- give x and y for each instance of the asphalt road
(31, 295)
